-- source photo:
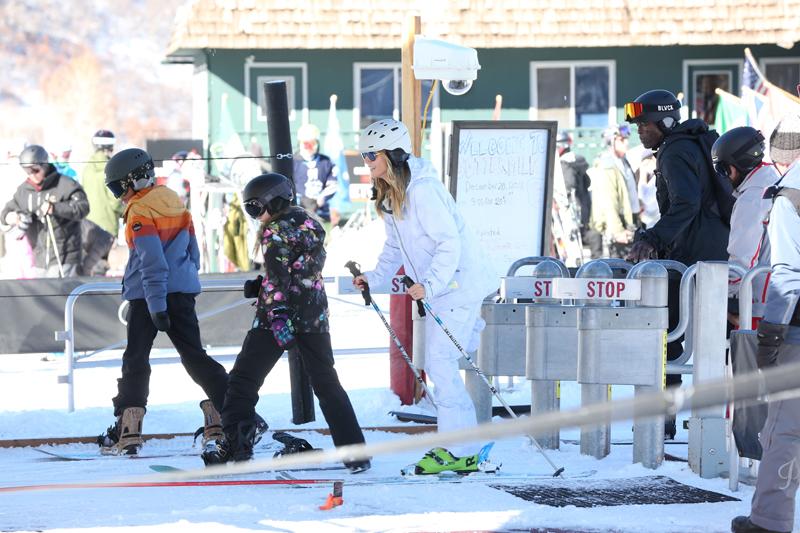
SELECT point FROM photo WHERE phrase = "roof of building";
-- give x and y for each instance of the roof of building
(379, 24)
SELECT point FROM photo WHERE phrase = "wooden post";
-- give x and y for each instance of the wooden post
(412, 88)
(402, 379)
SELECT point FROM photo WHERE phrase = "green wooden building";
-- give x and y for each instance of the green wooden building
(574, 61)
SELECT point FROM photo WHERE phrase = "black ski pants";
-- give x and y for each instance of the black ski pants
(134, 385)
(674, 348)
(259, 354)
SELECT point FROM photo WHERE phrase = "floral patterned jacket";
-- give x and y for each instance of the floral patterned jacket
(293, 289)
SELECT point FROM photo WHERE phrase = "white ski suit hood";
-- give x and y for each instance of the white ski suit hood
(433, 243)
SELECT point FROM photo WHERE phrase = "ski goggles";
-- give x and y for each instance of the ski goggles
(372, 156)
(635, 111)
(118, 187)
(254, 208)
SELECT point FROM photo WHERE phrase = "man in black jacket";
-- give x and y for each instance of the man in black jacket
(691, 228)
(48, 208)
(577, 183)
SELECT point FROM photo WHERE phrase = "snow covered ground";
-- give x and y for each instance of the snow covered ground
(33, 405)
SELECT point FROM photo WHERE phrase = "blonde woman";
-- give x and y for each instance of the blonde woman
(426, 234)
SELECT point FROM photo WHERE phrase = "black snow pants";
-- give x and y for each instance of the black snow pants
(259, 354)
(134, 385)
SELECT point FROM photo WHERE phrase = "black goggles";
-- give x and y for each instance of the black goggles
(722, 169)
(117, 188)
(372, 156)
(254, 208)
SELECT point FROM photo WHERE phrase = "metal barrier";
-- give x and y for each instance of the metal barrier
(502, 347)
(745, 320)
(551, 346)
(746, 294)
(68, 334)
(707, 426)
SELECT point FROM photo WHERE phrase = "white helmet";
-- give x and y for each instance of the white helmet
(385, 134)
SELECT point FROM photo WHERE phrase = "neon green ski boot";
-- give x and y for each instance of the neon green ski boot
(440, 460)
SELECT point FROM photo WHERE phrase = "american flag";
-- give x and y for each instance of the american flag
(751, 75)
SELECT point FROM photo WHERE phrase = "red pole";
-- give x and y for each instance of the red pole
(401, 378)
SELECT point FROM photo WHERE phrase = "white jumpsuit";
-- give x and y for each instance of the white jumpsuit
(437, 249)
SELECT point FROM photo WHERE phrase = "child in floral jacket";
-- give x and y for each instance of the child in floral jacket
(292, 311)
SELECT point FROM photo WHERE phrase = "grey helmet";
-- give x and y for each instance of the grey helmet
(131, 168)
(33, 155)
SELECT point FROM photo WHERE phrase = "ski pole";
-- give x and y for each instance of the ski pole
(55, 246)
(408, 283)
(355, 270)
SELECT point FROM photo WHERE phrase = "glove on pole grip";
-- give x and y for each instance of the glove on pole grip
(355, 270)
(408, 282)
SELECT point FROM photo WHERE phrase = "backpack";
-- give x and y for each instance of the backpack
(721, 187)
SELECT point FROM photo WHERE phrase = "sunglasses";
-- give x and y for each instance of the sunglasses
(33, 170)
(372, 156)
(254, 208)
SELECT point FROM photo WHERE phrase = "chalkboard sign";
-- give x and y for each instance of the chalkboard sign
(501, 175)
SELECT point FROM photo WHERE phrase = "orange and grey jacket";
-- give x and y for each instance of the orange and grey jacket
(164, 257)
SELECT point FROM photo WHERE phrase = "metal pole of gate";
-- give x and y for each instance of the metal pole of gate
(707, 452)
(595, 440)
(545, 395)
(280, 146)
(648, 434)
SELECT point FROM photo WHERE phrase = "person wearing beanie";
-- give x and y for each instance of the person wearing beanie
(773, 504)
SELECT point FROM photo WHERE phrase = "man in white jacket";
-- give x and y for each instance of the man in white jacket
(738, 155)
(426, 234)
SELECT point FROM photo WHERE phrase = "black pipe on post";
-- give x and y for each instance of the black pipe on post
(280, 146)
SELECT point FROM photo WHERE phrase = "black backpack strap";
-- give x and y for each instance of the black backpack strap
(793, 195)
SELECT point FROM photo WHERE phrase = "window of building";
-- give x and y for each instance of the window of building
(377, 88)
(783, 72)
(290, 95)
(576, 94)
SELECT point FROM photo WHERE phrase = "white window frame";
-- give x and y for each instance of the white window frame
(764, 61)
(250, 64)
(533, 110)
(687, 63)
(396, 69)
(291, 82)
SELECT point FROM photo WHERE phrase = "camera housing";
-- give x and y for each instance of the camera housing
(457, 66)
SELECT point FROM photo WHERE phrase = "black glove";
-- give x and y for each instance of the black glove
(24, 220)
(252, 287)
(770, 337)
(160, 320)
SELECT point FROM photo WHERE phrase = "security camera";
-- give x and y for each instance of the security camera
(457, 66)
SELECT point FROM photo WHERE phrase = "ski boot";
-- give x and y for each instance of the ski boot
(236, 446)
(211, 430)
(356, 467)
(439, 460)
(742, 524)
(212, 425)
(124, 437)
(291, 444)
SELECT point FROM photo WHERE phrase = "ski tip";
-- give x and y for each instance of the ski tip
(163, 469)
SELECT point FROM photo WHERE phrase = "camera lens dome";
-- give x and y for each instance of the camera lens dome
(457, 87)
